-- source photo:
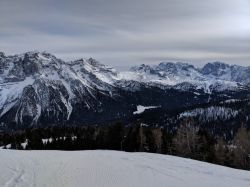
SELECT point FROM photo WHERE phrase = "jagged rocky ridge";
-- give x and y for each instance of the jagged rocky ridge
(36, 88)
(216, 76)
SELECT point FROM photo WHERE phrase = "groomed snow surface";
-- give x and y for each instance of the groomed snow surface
(112, 169)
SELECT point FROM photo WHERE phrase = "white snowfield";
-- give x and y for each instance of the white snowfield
(141, 109)
(112, 169)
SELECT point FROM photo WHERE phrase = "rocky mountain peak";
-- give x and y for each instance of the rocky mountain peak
(215, 68)
(141, 68)
(2, 55)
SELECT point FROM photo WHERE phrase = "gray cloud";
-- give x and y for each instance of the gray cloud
(129, 32)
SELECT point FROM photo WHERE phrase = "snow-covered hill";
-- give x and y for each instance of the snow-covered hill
(112, 169)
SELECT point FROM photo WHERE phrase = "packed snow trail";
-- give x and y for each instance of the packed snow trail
(112, 169)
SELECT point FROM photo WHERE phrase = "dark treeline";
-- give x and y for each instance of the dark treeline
(188, 141)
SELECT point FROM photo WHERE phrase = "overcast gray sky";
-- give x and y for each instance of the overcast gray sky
(129, 32)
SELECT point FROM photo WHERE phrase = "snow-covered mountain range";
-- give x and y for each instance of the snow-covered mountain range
(34, 82)
(216, 75)
(38, 88)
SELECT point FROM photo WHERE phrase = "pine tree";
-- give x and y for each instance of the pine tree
(167, 143)
(186, 140)
(157, 135)
(220, 151)
(115, 136)
(241, 148)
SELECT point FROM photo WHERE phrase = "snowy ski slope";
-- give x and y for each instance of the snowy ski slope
(112, 169)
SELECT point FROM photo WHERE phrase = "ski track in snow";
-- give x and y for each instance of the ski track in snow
(112, 169)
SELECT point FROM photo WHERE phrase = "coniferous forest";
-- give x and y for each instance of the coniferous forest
(187, 141)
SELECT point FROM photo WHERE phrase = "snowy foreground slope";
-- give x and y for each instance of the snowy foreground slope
(112, 169)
